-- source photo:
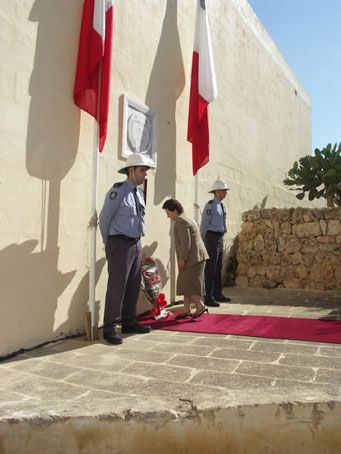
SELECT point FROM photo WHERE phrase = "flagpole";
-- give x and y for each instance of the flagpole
(94, 216)
(93, 233)
(94, 54)
(196, 197)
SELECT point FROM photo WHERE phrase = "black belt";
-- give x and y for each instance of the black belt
(215, 233)
(125, 237)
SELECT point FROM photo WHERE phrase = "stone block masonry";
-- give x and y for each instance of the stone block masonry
(297, 248)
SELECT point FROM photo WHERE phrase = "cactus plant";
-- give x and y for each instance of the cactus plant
(318, 175)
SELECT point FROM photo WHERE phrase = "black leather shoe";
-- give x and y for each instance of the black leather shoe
(211, 303)
(222, 298)
(113, 338)
(136, 328)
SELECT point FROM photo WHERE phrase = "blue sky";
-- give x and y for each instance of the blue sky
(308, 35)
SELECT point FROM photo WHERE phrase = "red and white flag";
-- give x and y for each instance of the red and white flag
(92, 84)
(203, 90)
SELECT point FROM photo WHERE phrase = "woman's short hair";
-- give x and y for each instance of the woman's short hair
(173, 205)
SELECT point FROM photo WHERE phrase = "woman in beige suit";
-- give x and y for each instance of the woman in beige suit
(191, 255)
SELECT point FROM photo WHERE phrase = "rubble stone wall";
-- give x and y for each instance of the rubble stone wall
(292, 248)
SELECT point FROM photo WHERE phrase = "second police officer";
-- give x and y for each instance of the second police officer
(121, 223)
(213, 228)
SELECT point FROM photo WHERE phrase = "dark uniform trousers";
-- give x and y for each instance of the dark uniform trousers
(214, 243)
(124, 258)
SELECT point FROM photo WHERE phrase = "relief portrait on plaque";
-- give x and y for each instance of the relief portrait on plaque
(139, 129)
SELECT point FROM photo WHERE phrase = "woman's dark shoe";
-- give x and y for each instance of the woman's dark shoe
(200, 312)
(184, 315)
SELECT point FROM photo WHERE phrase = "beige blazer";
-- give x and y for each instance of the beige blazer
(188, 243)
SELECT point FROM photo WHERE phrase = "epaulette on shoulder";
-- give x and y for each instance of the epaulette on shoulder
(210, 202)
(117, 185)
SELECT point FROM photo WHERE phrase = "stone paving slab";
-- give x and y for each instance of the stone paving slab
(175, 372)
(276, 371)
(232, 381)
(246, 355)
(280, 347)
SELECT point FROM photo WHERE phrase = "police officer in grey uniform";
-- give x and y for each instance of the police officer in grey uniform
(121, 222)
(213, 228)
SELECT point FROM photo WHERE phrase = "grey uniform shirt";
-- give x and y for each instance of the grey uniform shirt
(120, 214)
(213, 217)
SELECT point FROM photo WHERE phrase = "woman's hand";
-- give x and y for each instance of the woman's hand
(181, 264)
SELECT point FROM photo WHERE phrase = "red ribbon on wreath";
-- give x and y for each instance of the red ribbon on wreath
(160, 304)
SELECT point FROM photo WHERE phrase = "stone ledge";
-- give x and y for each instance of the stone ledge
(280, 428)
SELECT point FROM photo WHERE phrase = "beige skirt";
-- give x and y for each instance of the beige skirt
(191, 281)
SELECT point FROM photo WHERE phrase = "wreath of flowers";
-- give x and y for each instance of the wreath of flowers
(152, 285)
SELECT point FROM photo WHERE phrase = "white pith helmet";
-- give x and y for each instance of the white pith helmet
(219, 185)
(137, 160)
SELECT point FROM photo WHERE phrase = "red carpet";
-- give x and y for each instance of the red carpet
(303, 329)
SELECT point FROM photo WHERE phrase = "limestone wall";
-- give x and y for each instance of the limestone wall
(259, 124)
(292, 248)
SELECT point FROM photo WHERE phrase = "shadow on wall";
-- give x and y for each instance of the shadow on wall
(53, 127)
(33, 282)
(231, 263)
(230, 255)
(30, 287)
(166, 83)
(262, 204)
(79, 303)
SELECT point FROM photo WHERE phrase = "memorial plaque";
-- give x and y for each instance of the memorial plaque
(139, 129)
